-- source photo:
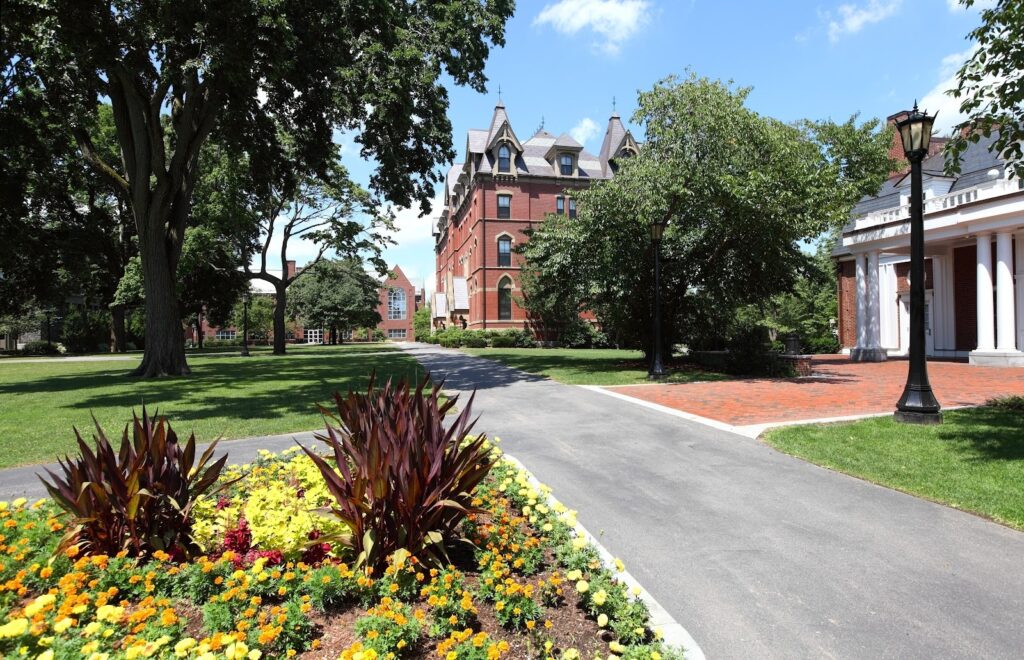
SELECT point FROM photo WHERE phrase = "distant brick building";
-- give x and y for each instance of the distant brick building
(974, 263)
(505, 186)
(398, 303)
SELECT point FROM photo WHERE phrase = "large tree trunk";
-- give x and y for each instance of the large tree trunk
(118, 334)
(165, 340)
(279, 325)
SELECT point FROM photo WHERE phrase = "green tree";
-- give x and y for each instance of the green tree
(261, 317)
(990, 85)
(422, 322)
(176, 70)
(338, 295)
(739, 190)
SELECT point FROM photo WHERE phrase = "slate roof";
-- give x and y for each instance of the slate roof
(614, 136)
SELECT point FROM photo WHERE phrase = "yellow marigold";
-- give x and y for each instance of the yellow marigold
(14, 628)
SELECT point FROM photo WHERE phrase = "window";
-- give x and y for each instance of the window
(504, 206)
(396, 333)
(572, 208)
(565, 164)
(505, 300)
(504, 251)
(396, 304)
(504, 158)
(225, 334)
(314, 336)
(560, 205)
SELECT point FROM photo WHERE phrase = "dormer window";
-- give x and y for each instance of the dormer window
(565, 164)
(504, 158)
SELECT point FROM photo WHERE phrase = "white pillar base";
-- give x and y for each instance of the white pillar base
(997, 358)
(872, 354)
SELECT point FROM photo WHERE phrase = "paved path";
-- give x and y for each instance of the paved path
(838, 387)
(757, 554)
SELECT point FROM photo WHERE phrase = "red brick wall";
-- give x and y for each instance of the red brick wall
(399, 281)
(965, 297)
(847, 304)
(903, 276)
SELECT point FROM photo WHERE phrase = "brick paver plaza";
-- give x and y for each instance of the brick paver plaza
(838, 388)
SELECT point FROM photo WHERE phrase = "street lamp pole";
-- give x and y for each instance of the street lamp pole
(657, 370)
(918, 404)
(245, 324)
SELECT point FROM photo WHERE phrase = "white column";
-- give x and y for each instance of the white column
(1006, 322)
(873, 321)
(986, 327)
(862, 301)
(1020, 290)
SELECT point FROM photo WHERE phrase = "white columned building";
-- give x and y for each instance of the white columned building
(974, 265)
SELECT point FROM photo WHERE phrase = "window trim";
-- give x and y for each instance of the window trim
(507, 158)
(507, 261)
(562, 164)
(560, 205)
(505, 291)
(395, 314)
(506, 209)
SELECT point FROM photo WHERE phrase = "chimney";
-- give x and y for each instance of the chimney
(289, 268)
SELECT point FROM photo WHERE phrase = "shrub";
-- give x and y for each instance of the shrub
(475, 341)
(821, 344)
(85, 331)
(40, 347)
(402, 478)
(1013, 403)
(138, 498)
(389, 628)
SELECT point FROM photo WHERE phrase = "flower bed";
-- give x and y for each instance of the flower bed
(272, 584)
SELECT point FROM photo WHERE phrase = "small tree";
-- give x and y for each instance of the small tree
(261, 318)
(421, 322)
(338, 295)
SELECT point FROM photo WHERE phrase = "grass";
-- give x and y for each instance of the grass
(583, 366)
(237, 397)
(973, 461)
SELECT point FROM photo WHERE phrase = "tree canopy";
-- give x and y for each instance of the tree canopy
(175, 71)
(739, 191)
(336, 294)
(990, 85)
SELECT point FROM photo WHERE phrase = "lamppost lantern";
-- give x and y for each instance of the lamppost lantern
(657, 370)
(918, 404)
(916, 133)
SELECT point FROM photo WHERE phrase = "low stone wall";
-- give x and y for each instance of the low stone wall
(803, 365)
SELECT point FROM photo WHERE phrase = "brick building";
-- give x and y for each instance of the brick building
(974, 263)
(502, 188)
(398, 303)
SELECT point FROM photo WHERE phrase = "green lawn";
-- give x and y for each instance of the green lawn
(229, 395)
(584, 366)
(973, 461)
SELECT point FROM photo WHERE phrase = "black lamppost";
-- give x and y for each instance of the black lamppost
(245, 324)
(917, 405)
(657, 370)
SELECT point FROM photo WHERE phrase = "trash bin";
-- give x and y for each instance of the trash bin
(792, 342)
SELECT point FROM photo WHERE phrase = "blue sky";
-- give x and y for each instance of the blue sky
(564, 61)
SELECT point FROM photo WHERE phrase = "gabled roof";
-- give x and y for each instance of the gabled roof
(501, 128)
(616, 136)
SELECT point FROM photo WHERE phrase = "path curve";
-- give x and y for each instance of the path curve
(756, 553)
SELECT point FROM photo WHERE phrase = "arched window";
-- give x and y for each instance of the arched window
(505, 299)
(396, 304)
(504, 158)
(504, 251)
(565, 162)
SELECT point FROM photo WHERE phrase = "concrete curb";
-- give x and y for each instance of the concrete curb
(673, 633)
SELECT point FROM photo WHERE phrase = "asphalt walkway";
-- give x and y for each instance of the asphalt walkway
(756, 553)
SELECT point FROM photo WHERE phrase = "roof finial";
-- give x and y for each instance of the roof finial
(613, 104)
(499, 94)
(541, 127)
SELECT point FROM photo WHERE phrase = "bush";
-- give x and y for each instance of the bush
(750, 354)
(827, 344)
(402, 477)
(138, 499)
(85, 331)
(1012, 403)
(583, 334)
(222, 343)
(474, 340)
(40, 347)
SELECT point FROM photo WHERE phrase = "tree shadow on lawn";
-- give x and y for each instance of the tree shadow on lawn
(985, 433)
(264, 387)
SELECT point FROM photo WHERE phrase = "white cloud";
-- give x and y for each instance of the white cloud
(979, 5)
(937, 100)
(584, 131)
(853, 18)
(412, 228)
(614, 21)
